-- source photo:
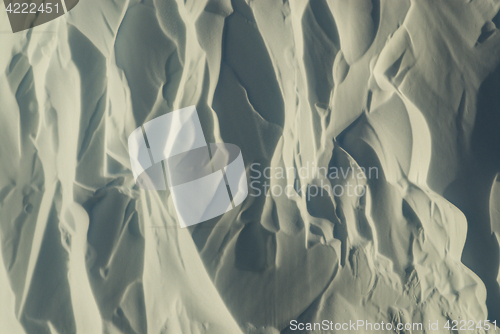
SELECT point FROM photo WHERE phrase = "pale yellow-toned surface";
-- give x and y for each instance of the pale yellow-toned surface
(393, 84)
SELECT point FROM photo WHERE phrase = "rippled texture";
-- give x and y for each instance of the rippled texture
(408, 87)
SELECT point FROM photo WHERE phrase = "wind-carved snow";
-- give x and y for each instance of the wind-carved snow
(408, 88)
